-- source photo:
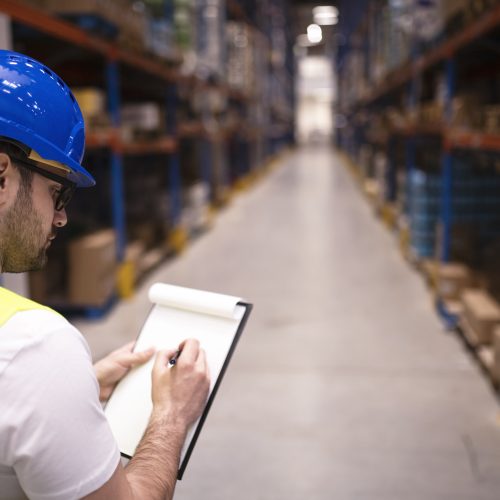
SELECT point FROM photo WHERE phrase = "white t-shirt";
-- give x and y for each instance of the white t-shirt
(55, 442)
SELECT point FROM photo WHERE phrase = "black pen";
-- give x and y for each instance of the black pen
(175, 357)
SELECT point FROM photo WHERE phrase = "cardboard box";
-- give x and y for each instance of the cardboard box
(92, 102)
(452, 279)
(133, 255)
(481, 312)
(430, 269)
(389, 215)
(142, 116)
(92, 268)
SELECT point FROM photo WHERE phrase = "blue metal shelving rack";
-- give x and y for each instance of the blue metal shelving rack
(442, 54)
(117, 206)
(116, 60)
(449, 319)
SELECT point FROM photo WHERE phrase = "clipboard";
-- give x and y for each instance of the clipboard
(216, 320)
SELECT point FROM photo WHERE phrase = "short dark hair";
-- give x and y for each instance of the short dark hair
(14, 152)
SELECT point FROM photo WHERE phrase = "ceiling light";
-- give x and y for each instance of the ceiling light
(326, 21)
(314, 33)
(326, 15)
(326, 10)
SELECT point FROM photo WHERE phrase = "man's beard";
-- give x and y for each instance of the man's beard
(23, 247)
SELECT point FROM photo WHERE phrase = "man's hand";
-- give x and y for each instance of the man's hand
(181, 390)
(179, 393)
(111, 369)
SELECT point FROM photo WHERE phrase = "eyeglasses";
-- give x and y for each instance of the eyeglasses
(67, 187)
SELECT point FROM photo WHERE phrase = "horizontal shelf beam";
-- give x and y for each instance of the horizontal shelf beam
(50, 25)
(453, 138)
(472, 140)
(110, 139)
(39, 19)
(165, 145)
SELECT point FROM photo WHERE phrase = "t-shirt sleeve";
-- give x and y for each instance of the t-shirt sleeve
(61, 447)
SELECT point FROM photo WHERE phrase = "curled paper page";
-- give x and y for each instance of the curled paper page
(194, 300)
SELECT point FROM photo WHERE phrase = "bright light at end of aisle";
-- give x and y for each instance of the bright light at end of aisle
(326, 15)
(314, 33)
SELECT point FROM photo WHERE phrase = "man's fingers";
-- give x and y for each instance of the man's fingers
(163, 357)
(123, 349)
(138, 358)
(203, 364)
(190, 349)
(134, 358)
(201, 359)
(128, 347)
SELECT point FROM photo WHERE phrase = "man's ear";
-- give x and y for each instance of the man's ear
(7, 176)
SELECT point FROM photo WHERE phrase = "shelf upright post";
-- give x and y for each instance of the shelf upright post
(171, 101)
(117, 201)
(206, 164)
(410, 158)
(177, 237)
(174, 171)
(392, 170)
(447, 167)
(410, 143)
(168, 10)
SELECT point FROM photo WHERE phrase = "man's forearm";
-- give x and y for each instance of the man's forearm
(152, 472)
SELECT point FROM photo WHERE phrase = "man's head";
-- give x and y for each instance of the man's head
(28, 215)
(42, 142)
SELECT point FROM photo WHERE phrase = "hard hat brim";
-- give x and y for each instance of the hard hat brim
(77, 174)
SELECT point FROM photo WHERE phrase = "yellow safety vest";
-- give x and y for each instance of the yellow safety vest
(11, 303)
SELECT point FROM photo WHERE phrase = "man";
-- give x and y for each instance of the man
(55, 442)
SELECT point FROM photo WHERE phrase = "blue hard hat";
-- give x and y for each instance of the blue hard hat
(38, 110)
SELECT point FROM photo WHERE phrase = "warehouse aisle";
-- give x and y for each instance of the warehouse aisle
(344, 385)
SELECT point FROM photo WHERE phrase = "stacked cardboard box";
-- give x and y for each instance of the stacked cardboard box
(210, 41)
(451, 280)
(92, 268)
(196, 213)
(240, 57)
(184, 25)
(92, 102)
(480, 317)
(430, 268)
(143, 120)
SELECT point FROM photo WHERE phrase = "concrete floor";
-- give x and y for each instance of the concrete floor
(344, 385)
